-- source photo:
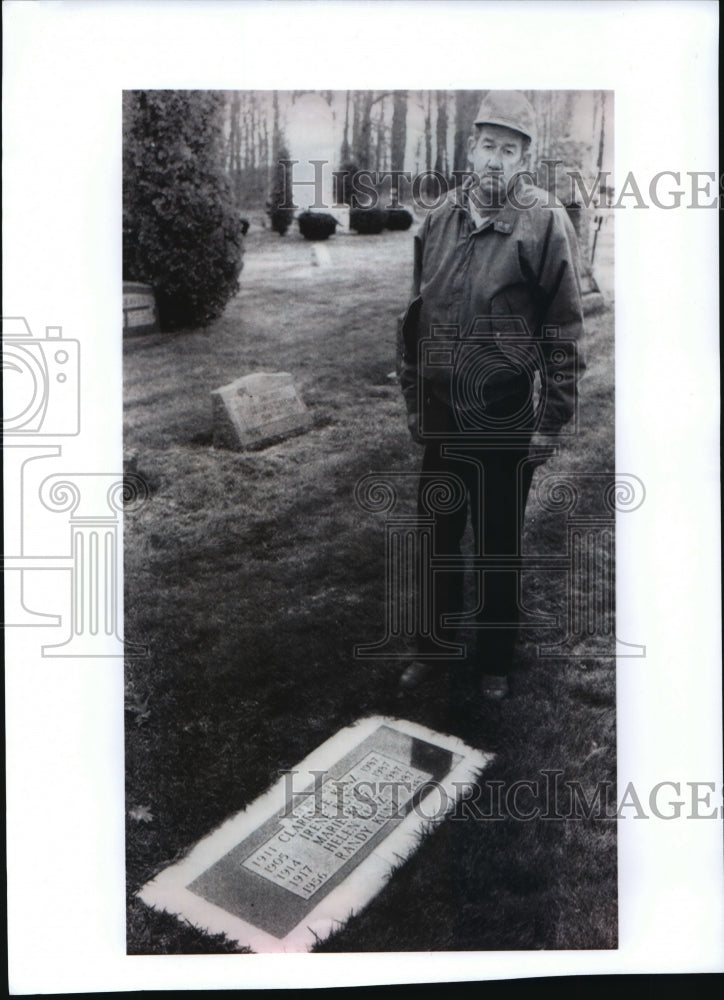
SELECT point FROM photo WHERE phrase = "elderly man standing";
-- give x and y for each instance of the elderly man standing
(489, 372)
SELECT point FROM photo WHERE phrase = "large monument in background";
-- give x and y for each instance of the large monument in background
(312, 142)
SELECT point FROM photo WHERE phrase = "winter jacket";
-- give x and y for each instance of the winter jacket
(502, 299)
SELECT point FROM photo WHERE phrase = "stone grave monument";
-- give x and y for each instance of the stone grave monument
(314, 144)
(257, 410)
(139, 308)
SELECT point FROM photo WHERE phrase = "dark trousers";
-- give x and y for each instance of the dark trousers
(496, 480)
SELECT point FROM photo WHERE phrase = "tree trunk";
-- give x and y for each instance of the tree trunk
(464, 114)
(276, 137)
(399, 130)
(428, 132)
(345, 151)
(235, 143)
(380, 144)
(441, 163)
(602, 139)
(363, 152)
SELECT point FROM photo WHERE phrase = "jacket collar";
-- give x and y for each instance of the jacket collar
(503, 219)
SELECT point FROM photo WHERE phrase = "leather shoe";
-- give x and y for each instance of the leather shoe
(415, 675)
(494, 687)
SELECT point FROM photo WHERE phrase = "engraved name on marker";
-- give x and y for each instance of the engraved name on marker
(139, 308)
(257, 410)
(305, 854)
(288, 870)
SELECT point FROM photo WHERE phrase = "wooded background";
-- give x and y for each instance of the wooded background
(406, 130)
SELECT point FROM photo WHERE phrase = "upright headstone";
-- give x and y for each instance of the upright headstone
(321, 843)
(139, 308)
(257, 410)
(311, 142)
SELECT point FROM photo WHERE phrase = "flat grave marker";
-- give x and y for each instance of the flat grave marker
(321, 257)
(257, 410)
(322, 842)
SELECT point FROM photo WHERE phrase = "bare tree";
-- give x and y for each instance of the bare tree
(345, 151)
(362, 127)
(467, 103)
(361, 142)
(602, 138)
(428, 132)
(356, 112)
(381, 144)
(276, 136)
(441, 160)
(399, 130)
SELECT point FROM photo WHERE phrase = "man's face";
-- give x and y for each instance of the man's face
(496, 155)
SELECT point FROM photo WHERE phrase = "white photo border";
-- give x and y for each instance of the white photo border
(65, 66)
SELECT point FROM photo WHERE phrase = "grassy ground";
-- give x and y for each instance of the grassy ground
(251, 577)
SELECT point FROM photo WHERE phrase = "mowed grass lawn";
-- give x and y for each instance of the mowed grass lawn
(251, 577)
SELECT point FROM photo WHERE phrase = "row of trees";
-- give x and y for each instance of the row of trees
(373, 130)
(419, 131)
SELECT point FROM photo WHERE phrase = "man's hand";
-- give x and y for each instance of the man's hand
(542, 446)
(413, 423)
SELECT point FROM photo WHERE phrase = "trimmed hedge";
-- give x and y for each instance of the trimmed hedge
(367, 221)
(398, 219)
(316, 225)
(181, 231)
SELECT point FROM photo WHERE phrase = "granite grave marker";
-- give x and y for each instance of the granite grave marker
(139, 308)
(257, 410)
(323, 841)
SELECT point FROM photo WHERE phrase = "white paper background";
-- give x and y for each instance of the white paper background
(65, 65)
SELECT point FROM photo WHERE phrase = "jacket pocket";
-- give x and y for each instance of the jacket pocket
(407, 327)
(514, 312)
